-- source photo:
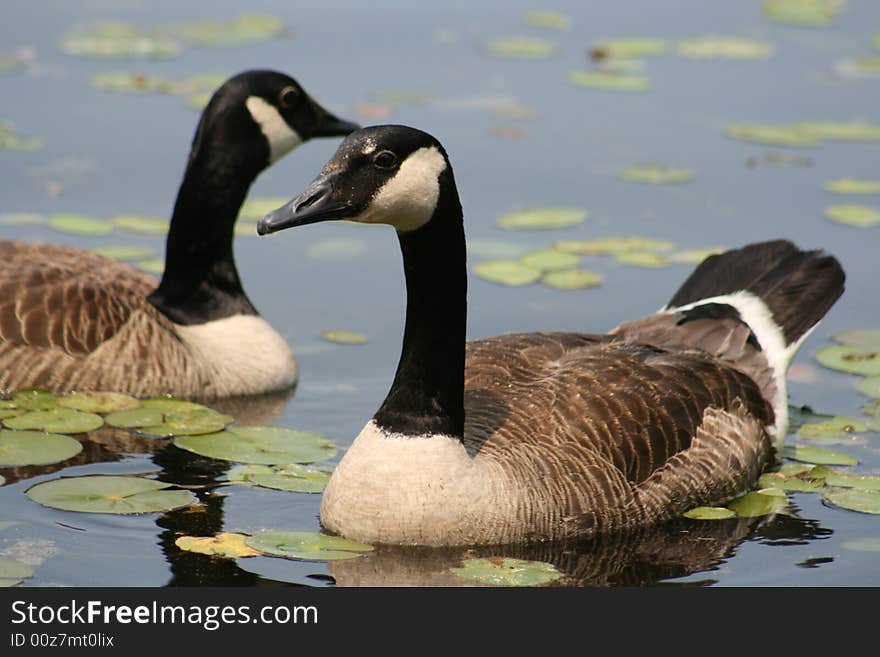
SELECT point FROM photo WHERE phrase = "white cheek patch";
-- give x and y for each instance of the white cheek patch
(281, 137)
(408, 200)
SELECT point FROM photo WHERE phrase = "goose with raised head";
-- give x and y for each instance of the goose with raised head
(74, 320)
(551, 436)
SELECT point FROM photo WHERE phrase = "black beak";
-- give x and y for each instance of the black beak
(332, 126)
(315, 204)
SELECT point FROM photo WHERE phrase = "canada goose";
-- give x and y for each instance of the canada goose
(548, 436)
(74, 320)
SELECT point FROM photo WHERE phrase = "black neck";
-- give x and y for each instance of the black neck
(200, 282)
(427, 395)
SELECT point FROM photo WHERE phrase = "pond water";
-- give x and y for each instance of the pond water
(425, 64)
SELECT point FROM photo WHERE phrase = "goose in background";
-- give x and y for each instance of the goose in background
(74, 320)
(551, 436)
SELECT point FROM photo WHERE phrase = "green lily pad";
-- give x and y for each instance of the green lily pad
(833, 428)
(246, 28)
(817, 455)
(11, 412)
(12, 62)
(34, 399)
(546, 218)
(571, 279)
(12, 141)
(608, 80)
(223, 544)
(20, 219)
(862, 338)
(344, 337)
(80, 225)
(336, 248)
(725, 47)
(549, 19)
(198, 101)
(35, 448)
(265, 445)
(98, 402)
(124, 252)
(135, 417)
(306, 546)
(759, 503)
(841, 130)
(13, 572)
(260, 206)
(172, 404)
(870, 544)
(642, 259)
(522, 47)
(628, 48)
(292, 477)
(141, 225)
(774, 135)
(132, 83)
(192, 422)
(57, 420)
(709, 513)
(550, 260)
(489, 248)
(120, 40)
(154, 266)
(109, 494)
(694, 256)
(867, 66)
(498, 571)
(850, 359)
(853, 215)
(801, 415)
(870, 386)
(805, 13)
(844, 479)
(507, 272)
(854, 499)
(612, 245)
(794, 483)
(656, 174)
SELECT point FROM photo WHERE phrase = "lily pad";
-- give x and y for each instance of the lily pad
(35, 448)
(109, 494)
(759, 503)
(870, 386)
(694, 256)
(522, 47)
(13, 572)
(801, 415)
(612, 245)
(817, 455)
(850, 359)
(608, 80)
(833, 428)
(853, 215)
(844, 479)
(154, 266)
(862, 338)
(344, 337)
(257, 207)
(141, 225)
(546, 218)
(12, 141)
(123, 252)
(292, 477)
(98, 402)
(867, 66)
(725, 47)
(709, 513)
(34, 399)
(135, 417)
(57, 420)
(549, 19)
(793, 483)
(336, 248)
(571, 279)
(79, 225)
(841, 130)
(223, 544)
(498, 571)
(191, 422)
(642, 259)
(775, 135)
(656, 174)
(306, 546)
(172, 404)
(507, 272)
(20, 219)
(489, 248)
(120, 40)
(265, 445)
(854, 499)
(550, 260)
(870, 544)
(132, 83)
(628, 48)
(806, 13)
(246, 28)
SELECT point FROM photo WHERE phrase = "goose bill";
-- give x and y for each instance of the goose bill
(315, 204)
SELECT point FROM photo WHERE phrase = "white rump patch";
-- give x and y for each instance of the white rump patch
(240, 355)
(282, 138)
(408, 200)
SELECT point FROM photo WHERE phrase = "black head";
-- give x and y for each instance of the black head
(261, 116)
(389, 174)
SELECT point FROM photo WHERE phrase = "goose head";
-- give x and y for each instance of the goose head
(387, 174)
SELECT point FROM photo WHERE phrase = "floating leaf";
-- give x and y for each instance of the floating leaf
(859, 67)
(608, 80)
(628, 48)
(759, 503)
(13, 572)
(785, 135)
(862, 338)
(20, 218)
(656, 174)
(344, 337)
(135, 417)
(80, 225)
(694, 256)
(109, 494)
(507, 272)
(98, 402)
(571, 279)
(793, 483)
(850, 359)
(842, 131)
(141, 225)
(172, 404)
(833, 428)
(709, 513)
(854, 499)
(724, 47)
(11, 141)
(34, 399)
(489, 248)
(156, 266)
(818, 455)
(844, 479)
(132, 83)
(642, 259)
(612, 245)
(258, 207)
(292, 477)
(522, 47)
(871, 544)
(807, 13)
(870, 386)
(853, 215)
(801, 415)
(549, 19)
(542, 219)
(550, 260)
(35, 448)
(190, 422)
(120, 40)
(57, 420)
(246, 28)
(266, 445)
(499, 571)
(336, 248)
(120, 252)
(307, 546)
(223, 544)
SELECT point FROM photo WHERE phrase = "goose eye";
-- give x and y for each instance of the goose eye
(288, 96)
(385, 160)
